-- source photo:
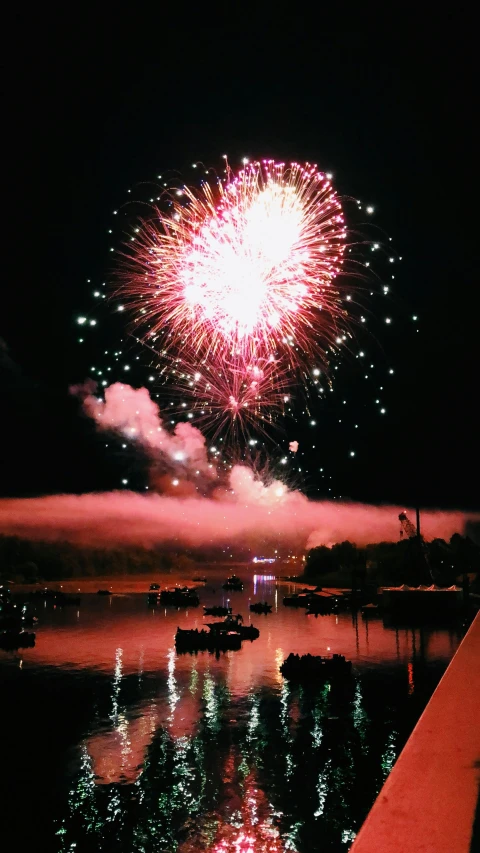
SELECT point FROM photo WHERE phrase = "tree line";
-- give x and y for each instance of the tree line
(25, 560)
(406, 561)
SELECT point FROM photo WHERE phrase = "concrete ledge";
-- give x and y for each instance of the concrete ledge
(428, 803)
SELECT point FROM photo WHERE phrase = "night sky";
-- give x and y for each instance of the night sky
(99, 103)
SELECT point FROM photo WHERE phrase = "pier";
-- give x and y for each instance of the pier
(430, 801)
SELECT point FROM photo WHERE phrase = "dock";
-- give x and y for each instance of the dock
(430, 801)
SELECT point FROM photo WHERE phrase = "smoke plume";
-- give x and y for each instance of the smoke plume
(244, 511)
(117, 518)
(131, 413)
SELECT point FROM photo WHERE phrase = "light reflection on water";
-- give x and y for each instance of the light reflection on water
(183, 753)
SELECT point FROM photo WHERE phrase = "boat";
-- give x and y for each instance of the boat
(233, 583)
(260, 607)
(12, 640)
(248, 632)
(370, 611)
(56, 596)
(315, 667)
(179, 597)
(423, 603)
(298, 599)
(234, 623)
(217, 610)
(104, 592)
(43, 593)
(14, 617)
(199, 580)
(322, 603)
(11, 622)
(194, 640)
(154, 587)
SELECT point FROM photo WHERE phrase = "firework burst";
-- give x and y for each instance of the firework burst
(244, 267)
(243, 288)
(232, 397)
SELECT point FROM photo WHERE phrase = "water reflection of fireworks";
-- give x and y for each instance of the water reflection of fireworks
(250, 827)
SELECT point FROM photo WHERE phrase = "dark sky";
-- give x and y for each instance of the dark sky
(99, 102)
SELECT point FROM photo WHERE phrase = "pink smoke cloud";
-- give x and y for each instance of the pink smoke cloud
(117, 518)
(242, 511)
(132, 413)
(247, 488)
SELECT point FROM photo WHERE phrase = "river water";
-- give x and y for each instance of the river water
(113, 742)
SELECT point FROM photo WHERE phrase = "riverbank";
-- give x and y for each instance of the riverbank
(137, 583)
(116, 585)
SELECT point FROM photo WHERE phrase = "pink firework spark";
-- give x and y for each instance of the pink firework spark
(245, 266)
(232, 396)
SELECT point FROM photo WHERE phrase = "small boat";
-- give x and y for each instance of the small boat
(12, 640)
(18, 622)
(234, 624)
(370, 611)
(321, 603)
(154, 587)
(233, 583)
(104, 592)
(298, 599)
(15, 617)
(44, 593)
(29, 620)
(55, 596)
(315, 667)
(260, 607)
(249, 632)
(179, 597)
(217, 610)
(195, 640)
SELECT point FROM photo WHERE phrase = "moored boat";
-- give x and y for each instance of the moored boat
(371, 611)
(12, 640)
(233, 583)
(179, 597)
(194, 640)
(298, 599)
(315, 667)
(322, 603)
(217, 610)
(234, 624)
(260, 607)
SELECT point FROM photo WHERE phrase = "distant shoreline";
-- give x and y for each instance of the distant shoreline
(122, 584)
(140, 583)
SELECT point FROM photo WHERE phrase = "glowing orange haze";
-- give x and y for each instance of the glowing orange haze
(126, 518)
